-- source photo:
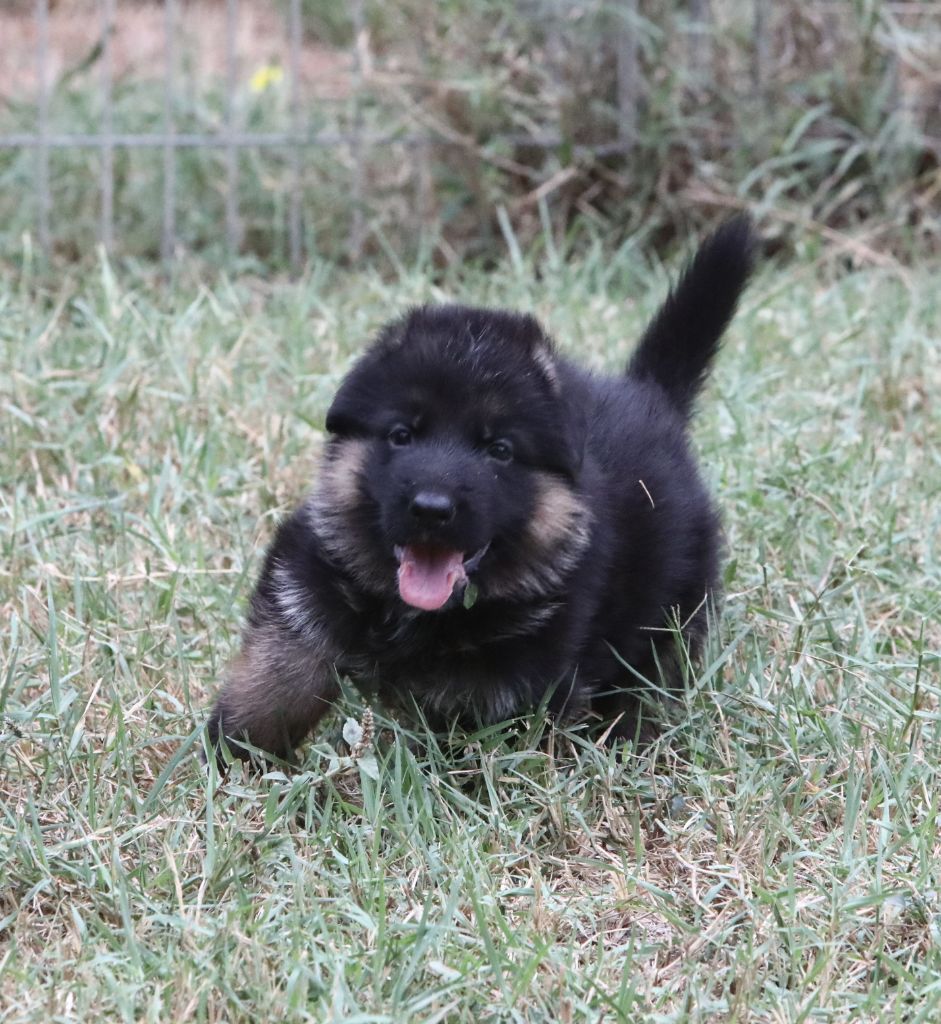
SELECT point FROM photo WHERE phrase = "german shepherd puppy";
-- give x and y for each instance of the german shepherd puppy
(494, 527)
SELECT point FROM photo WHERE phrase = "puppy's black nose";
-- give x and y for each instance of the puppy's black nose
(432, 508)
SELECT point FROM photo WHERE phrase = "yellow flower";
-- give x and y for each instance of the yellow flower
(265, 77)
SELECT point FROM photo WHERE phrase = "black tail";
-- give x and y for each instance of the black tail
(682, 339)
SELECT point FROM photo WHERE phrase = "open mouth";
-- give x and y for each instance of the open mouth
(428, 574)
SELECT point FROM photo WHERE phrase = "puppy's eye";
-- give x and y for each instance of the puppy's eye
(400, 436)
(501, 450)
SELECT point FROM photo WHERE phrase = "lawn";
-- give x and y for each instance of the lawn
(775, 857)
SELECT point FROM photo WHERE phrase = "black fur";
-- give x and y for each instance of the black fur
(551, 522)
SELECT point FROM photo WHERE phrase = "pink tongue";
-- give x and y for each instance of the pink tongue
(427, 575)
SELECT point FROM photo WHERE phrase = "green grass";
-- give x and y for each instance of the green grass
(775, 858)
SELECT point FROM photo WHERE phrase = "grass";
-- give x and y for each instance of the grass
(775, 858)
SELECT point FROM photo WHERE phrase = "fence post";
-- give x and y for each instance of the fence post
(699, 36)
(294, 72)
(760, 47)
(232, 225)
(43, 198)
(359, 42)
(168, 233)
(107, 117)
(628, 74)
(423, 176)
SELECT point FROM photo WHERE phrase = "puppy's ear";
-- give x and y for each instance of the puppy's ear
(571, 447)
(352, 412)
(569, 435)
(349, 412)
(566, 425)
(544, 358)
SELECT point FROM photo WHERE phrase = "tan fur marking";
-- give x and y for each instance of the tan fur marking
(342, 470)
(329, 510)
(558, 510)
(556, 535)
(276, 690)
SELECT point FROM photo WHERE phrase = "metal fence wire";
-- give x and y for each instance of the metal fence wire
(169, 140)
(297, 139)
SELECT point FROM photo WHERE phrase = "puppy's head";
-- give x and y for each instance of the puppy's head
(454, 458)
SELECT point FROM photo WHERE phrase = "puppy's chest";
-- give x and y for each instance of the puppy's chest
(482, 665)
(420, 642)
(454, 672)
(392, 637)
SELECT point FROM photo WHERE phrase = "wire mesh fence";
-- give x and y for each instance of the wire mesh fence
(622, 38)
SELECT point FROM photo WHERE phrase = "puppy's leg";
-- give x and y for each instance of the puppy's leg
(276, 692)
(627, 717)
(628, 704)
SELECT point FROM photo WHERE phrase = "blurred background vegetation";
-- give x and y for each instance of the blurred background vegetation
(459, 128)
